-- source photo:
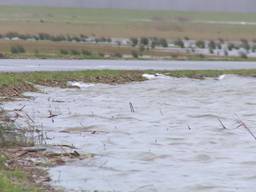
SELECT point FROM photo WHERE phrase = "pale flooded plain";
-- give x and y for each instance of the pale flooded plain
(172, 141)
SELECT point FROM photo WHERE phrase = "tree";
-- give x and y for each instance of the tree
(144, 41)
(135, 54)
(134, 41)
(142, 48)
(86, 52)
(212, 45)
(200, 44)
(17, 49)
(243, 55)
(118, 55)
(153, 44)
(245, 44)
(163, 42)
(231, 46)
(179, 43)
(64, 51)
(75, 52)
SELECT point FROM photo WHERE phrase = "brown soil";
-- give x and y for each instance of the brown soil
(8, 92)
(15, 91)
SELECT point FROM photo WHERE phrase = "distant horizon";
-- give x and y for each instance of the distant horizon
(243, 6)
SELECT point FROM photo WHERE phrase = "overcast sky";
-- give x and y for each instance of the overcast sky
(201, 5)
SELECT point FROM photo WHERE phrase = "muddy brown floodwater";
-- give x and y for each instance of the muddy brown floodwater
(172, 142)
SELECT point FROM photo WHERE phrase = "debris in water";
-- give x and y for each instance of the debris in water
(131, 107)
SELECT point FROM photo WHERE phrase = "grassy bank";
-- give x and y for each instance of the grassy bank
(14, 180)
(14, 84)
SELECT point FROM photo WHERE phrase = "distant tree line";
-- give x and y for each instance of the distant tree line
(56, 38)
(151, 42)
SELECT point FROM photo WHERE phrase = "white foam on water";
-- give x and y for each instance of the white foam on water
(79, 84)
(155, 76)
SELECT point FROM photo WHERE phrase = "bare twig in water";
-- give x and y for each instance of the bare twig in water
(131, 107)
(222, 124)
(58, 101)
(29, 118)
(67, 146)
(51, 115)
(20, 108)
(242, 124)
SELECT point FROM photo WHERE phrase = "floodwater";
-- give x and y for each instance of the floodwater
(172, 142)
(20, 65)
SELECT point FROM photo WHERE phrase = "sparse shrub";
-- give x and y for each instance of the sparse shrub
(135, 54)
(86, 53)
(153, 44)
(219, 46)
(211, 51)
(226, 53)
(118, 55)
(253, 48)
(11, 35)
(36, 51)
(243, 55)
(200, 44)
(44, 36)
(245, 44)
(58, 38)
(101, 54)
(163, 42)
(201, 56)
(179, 43)
(2, 56)
(142, 48)
(76, 39)
(144, 41)
(212, 45)
(231, 46)
(64, 52)
(74, 52)
(17, 49)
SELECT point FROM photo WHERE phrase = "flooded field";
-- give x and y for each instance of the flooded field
(172, 141)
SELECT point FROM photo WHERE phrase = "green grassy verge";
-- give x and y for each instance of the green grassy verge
(98, 57)
(13, 84)
(14, 180)
(210, 73)
(20, 82)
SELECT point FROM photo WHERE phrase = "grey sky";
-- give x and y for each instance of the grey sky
(201, 5)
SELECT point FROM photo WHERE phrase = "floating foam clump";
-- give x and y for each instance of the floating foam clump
(154, 76)
(78, 84)
(221, 77)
